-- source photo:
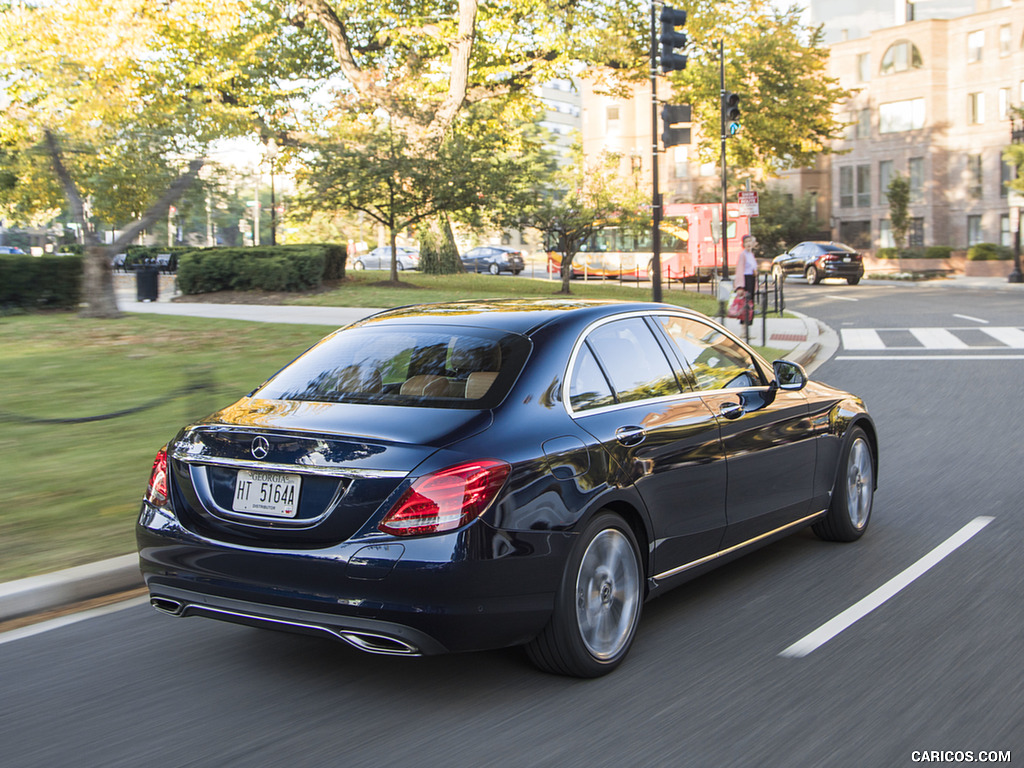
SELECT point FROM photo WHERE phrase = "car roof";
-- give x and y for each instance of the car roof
(522, 316)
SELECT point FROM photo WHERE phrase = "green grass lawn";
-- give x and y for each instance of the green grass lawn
(69, 493)
(371, 289)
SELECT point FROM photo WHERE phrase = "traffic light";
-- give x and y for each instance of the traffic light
(731, 112)
(671, 39)
(670, 115)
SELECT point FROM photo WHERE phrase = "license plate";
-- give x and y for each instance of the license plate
(275, 494)
(846, 259)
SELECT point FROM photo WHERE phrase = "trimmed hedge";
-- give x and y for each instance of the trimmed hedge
(140, 254)
(33, 282)
(989, 252)
(271, 268)
(915, 252)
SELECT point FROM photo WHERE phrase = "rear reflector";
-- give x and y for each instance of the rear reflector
(157, 493)
(446, 500)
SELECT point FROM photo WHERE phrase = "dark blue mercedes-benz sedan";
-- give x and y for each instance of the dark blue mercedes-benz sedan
(476, 475)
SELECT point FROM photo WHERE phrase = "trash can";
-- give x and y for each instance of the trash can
(147, 282)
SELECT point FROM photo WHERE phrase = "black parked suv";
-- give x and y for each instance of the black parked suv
(818, 260)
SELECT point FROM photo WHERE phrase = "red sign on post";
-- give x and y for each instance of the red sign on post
(748, 204)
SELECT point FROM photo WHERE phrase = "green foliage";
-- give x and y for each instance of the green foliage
(271, 268)
(439, 255)
(989, 252)
(938, 252)
(783, 221)
(40, 282)
(898, 193)
(887, 253)
(140, 254)
(779, 69)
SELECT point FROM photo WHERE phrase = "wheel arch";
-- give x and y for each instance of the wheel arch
(637, 523)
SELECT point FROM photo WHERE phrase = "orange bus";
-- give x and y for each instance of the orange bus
(689, 246)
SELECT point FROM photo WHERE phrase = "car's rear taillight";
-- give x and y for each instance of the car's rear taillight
(446, 500)
(157, 493)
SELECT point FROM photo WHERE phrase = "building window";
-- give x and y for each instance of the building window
(974, 231)
(1007, 173)
(884, 177)
(863, 186)
(1005, 235)
(846, 187)
(974, 177)
(863, 67)
(864, 124)
(1004, 103)
(975, 45)
(915, 170)
(915, 233)
(856, 234)
(897, 116)
(976, 108)
(885, 238)
(900, 57)
(1004, 40)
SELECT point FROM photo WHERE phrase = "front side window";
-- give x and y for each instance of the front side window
(717, 362)
(406, 365)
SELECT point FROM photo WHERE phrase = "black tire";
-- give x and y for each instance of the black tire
(358, 266)
(494, 269)
(854, 492)
(852, 280)
(516, 271)
(598, 604)
(813, 275)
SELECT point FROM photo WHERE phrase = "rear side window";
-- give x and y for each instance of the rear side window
(633, 360)
(442, 367)
(717, 361)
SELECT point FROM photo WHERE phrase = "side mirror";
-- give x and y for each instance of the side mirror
(789, 376)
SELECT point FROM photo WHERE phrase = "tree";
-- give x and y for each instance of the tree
(898, 192)
(111, 104)
(373, 169)
(582, 200)
(778, 68)
(783, 222)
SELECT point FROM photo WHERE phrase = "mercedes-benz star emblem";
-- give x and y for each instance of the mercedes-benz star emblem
(260, 447)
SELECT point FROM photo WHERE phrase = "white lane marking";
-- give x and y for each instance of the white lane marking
(928, 357)
(841, 298)
(74, 618)
(972, 319)
(1011, 337)
(861, 338)
(859, 610)
(937, 338)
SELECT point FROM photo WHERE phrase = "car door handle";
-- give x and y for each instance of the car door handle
(730, 410)
(630, 436)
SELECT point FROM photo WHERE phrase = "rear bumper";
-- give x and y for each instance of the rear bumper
(470, 590)
(840, 269)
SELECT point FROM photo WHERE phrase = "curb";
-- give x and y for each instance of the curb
(71, 585)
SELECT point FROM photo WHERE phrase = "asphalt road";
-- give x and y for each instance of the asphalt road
(937, 666)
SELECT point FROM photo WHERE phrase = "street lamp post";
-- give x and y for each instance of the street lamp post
(1016, 201)
(272, 158)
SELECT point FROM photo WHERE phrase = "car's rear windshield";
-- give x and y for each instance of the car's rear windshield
(432, 367)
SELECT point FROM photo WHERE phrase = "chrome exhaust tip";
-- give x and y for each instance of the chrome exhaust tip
(166, 605)
(389, 646)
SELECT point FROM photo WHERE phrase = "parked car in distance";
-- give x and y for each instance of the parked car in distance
(11, 249)
(483, 474)
(494, 259)
(380, 258)
(816, 260)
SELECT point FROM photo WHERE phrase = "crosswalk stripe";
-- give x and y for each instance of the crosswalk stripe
(862, 338)
(1011, 337)
(937, 338)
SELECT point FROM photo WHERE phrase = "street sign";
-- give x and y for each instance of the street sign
(748, 204)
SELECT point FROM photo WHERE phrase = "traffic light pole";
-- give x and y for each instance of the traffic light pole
(656, 199)
(724, 235)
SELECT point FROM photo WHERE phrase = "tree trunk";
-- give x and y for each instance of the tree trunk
(98, 296)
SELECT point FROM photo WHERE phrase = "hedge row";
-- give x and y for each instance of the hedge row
(141, 254)
(915, 252)
(272, 268)
(989, 252)
(34, 282)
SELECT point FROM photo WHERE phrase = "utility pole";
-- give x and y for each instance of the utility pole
(656, 195)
